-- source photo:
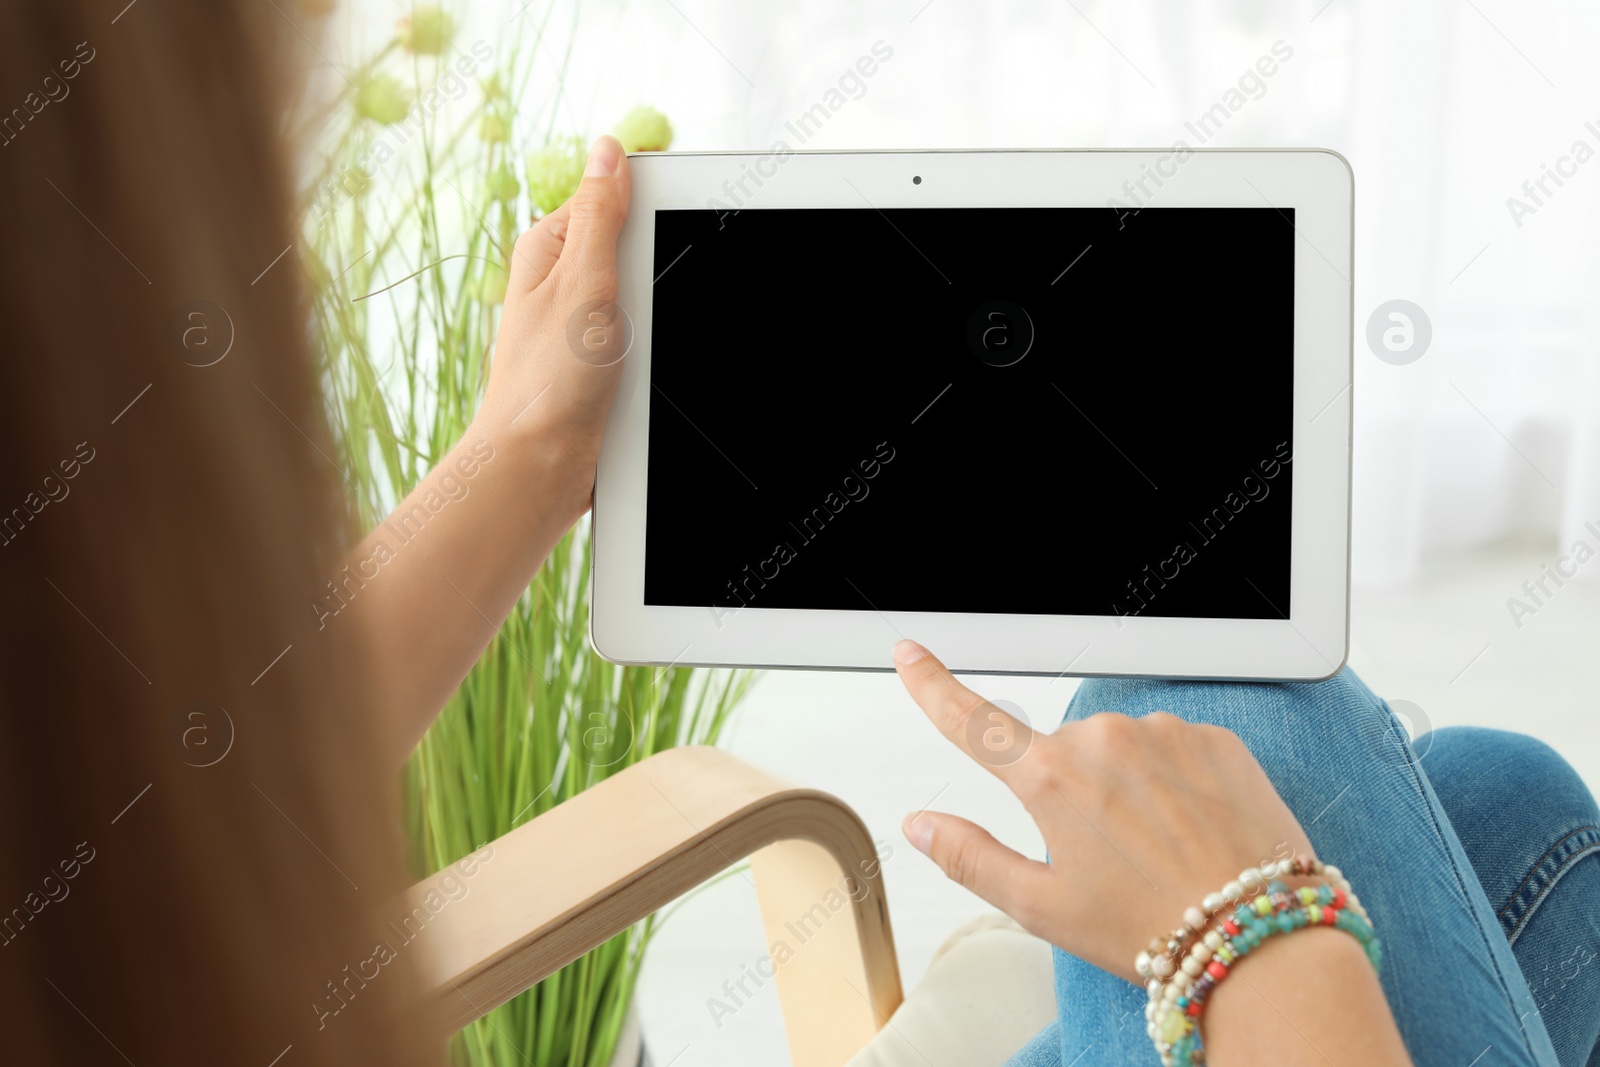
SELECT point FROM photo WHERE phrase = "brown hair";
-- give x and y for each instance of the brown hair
(199, 848)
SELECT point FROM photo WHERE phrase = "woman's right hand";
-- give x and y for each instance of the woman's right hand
(1143, 818)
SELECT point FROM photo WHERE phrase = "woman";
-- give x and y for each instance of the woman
(183, 903)
(198, 773)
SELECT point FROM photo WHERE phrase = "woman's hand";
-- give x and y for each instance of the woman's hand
(463, 546)
(1143, 818)
(562, 337)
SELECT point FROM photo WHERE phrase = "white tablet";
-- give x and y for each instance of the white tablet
(1063, 412)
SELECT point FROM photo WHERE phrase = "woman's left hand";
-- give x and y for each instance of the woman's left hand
(520, 476)
(562, 336)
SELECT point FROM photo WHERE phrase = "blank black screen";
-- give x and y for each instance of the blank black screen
(839, 417)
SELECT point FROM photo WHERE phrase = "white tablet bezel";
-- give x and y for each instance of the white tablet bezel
(1312, 643)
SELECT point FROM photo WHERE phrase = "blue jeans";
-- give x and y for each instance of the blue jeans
(1482, 875)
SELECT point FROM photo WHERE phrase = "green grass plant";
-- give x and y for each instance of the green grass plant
(408, 258)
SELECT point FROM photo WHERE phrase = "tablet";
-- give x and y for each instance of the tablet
(1046, 412)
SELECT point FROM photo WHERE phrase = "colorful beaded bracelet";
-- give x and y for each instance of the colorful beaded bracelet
(1205, 963)
(1178, 1030)
(1277, 912)
(1244, 929)
(1189, 964)
(1161, 960)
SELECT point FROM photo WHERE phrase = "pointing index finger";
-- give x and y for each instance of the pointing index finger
(989, 734)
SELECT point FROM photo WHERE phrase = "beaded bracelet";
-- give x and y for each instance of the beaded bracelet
(1206, 962)
(1178, 1029)
(1276, 911)
(1182, 972)
(1161, 960)
(1274, 901)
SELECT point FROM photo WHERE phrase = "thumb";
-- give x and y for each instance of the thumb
(970, 856)
(594, 220)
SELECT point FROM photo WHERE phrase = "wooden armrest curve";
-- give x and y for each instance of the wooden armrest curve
(587, 869)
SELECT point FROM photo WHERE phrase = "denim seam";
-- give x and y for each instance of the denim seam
(1561, 858)
(1533, 868)
(1461, 885)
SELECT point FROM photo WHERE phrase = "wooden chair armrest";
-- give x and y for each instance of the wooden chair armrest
(563, 883)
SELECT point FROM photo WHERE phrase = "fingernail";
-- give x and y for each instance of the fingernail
(908, 652)
(603, 158)
(919, 831)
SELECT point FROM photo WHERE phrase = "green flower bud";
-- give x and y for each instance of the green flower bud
(382, 98)
(554, 173)
(493, 129)
(490, 286)
(644, 129)
(493, 87)
(427, 31)
(502, 184)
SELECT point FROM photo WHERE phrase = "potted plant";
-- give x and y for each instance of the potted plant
(411, 208)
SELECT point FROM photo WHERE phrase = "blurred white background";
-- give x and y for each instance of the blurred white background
(1475, 465)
